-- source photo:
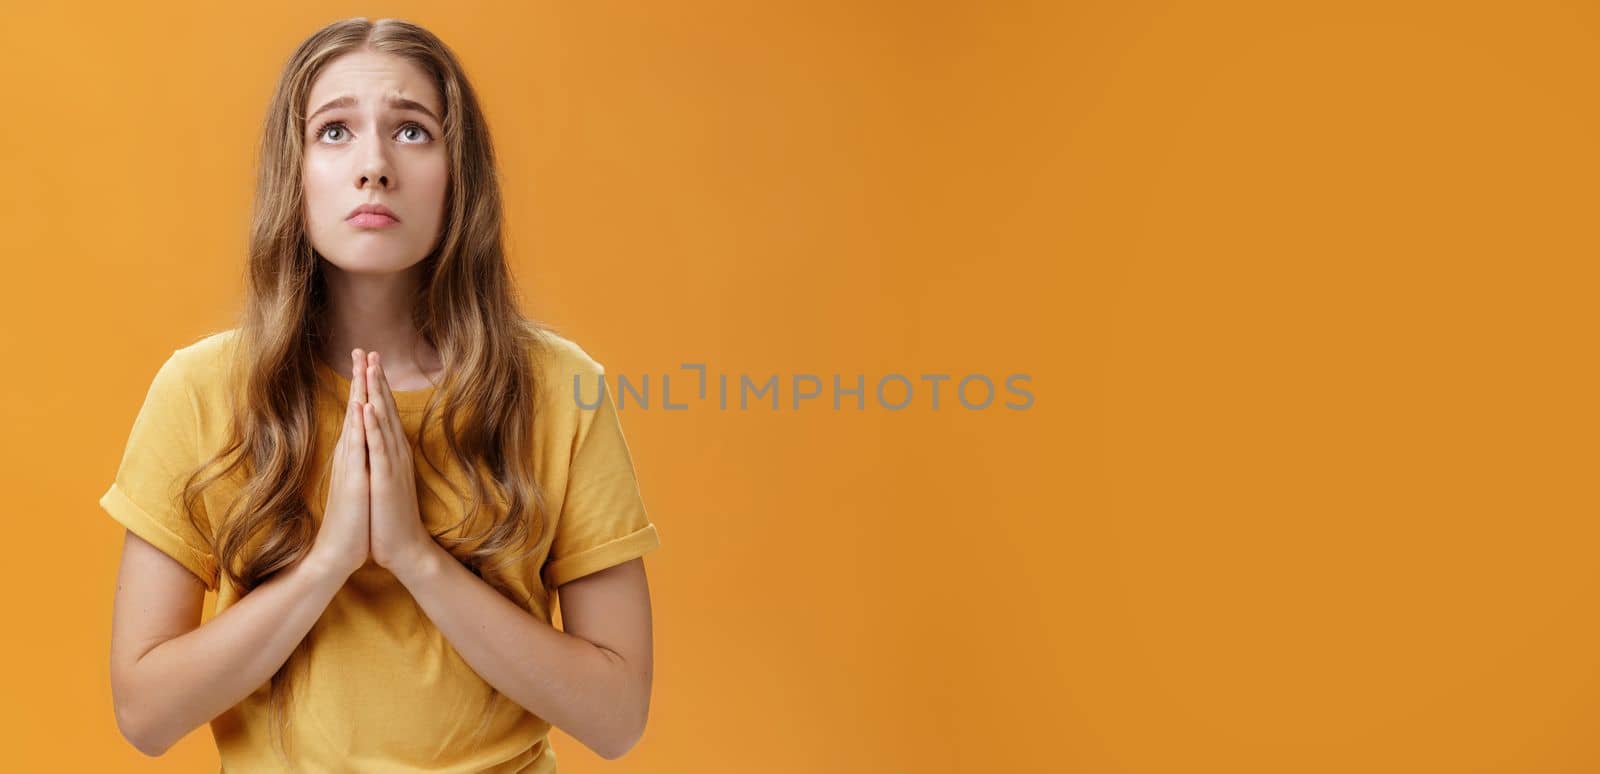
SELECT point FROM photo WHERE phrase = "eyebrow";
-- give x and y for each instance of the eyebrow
(399, 103)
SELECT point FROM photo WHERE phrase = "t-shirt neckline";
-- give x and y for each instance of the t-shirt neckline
(406, 401)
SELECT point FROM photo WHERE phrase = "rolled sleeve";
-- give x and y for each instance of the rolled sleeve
(145, 495)
(603, 521)
(141, 523)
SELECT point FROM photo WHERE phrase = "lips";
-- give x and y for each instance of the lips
(372, 215)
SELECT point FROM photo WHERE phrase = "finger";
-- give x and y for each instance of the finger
(382, 399)
(337, 456)
(383, 378)
(341, 451)
(340, 448)
(377, 455)
(355, 448)
(358, 375)
(402, 444)
(354, 385)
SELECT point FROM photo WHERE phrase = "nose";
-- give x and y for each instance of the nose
(375, 167)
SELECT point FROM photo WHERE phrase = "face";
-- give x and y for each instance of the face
(379, 142)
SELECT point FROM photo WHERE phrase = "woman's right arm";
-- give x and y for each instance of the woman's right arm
(169, 673)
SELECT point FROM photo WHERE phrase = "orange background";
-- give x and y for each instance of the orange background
(1307, 296)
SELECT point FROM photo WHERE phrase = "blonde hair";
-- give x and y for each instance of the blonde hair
(466, 308)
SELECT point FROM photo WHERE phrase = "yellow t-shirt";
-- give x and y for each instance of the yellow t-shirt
(383, 689)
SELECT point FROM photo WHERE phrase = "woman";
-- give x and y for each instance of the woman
(383, 471)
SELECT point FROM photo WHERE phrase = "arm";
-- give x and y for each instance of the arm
(169, 673)
(591, 681)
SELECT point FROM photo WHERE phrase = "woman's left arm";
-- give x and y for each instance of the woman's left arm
(591, 681)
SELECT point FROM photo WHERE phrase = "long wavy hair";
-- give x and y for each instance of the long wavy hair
(466, 308)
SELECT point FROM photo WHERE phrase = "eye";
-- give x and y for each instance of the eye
(419, 128)
(322, 130)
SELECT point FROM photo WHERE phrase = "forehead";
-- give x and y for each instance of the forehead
(371, 76)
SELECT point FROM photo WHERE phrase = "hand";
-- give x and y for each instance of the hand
(399, 538)
(343, 541)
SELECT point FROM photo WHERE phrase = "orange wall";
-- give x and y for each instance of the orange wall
(1306, 298)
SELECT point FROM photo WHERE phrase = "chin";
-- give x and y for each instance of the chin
(373, 264)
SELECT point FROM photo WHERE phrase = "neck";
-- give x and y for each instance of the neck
(373, 312)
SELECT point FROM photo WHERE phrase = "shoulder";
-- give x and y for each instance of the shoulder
(202, 365)
(558, 358)
(192, 383)
(570, 384)
(187, 386)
